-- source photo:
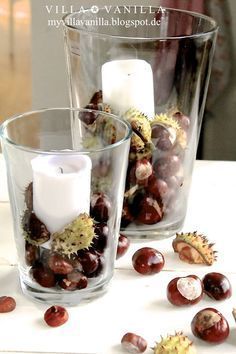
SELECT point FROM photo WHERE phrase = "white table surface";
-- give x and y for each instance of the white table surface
(134, 303)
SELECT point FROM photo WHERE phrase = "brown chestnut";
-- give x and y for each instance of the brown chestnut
(183, 120)
(74, 281)
(167, 166)
(185, 290)
(100, 207)
(59, 264)
(7, 304)
(148, 261)
(31, 254)
(210, 325)
(217, 286)
(43, 275)
(56, 316)
(127, 216)
(150, 211)
(141, 171)
(134, 343)
(123, 245)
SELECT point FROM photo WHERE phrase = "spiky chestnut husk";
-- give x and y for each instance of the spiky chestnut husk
(76, 236)
(145, 153)
(194, 248)
(169, 121)
(92, 142)
(165, 120)
(140, 124)
(175, 344)
(35, 231)
(136, 143)
(109, 132)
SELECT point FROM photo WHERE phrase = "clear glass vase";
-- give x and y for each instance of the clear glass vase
(66, 194)
(152, 66)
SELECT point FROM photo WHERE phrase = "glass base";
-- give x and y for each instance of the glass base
(157, 232)
(62, 297)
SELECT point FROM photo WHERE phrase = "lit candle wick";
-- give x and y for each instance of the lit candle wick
(61, 169)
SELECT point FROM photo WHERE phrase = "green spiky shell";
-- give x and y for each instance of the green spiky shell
(76, 236)
(165, 120)
(109, 132)
(140, 125)
(35, 231)
(199, 243)
(175, 344)
(145, 153)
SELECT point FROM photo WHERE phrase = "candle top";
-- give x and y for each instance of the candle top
(127, 66)
(55, 165)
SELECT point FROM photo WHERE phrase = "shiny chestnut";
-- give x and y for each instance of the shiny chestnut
(210, 326)
(100, 207)
(59, 264)
(133, 343)
(217, 286)
(123, 245)
(74, 281)
(140, 172)
(148, 261)
(150, 211)
(56, 316)
(185, 290)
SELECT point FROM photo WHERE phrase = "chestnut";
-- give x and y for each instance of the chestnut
(31, 253)
(167, 166)
(56, 316)
(100, 207)
(217, 286)
(43, 275)
(183, 120)
(74, 281)
(150, 211)
(140, 172)
(148, 261)
(7, 304)
(99, 269)
(185, 290)
(210, 325)
(126, 217)
(134, 343)
(164, 138)
(59, 264)
(89, 261)
(87, 117)
(100, 240)
(158, 188)
(123, 245)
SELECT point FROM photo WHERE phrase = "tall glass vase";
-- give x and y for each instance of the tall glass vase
(152, 67)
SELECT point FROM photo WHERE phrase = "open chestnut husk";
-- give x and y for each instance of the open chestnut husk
(210, 325)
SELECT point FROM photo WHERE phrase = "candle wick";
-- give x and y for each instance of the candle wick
(61, 169)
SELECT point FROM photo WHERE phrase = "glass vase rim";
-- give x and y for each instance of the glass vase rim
(195, 14)
(26, 148)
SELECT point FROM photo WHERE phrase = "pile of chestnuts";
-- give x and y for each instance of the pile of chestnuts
(59, 263)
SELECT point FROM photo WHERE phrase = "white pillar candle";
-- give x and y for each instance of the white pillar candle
(61, 188)
(128, 84)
